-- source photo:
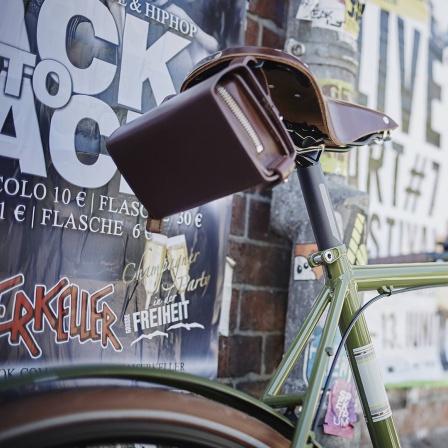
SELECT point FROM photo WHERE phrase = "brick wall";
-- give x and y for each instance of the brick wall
(420, 416)
(259, 297)
(247, 357)
(266, 23)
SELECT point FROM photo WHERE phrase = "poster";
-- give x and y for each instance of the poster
(337, 15)
(80, 279)
(415, 9)
(409, 332)
(404, 72)
(406, 178)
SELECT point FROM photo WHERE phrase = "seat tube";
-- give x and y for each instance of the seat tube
(367, 375)
(319, 206)
(358, 345)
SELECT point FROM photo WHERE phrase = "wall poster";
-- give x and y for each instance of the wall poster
(80, 279)
(404, 72)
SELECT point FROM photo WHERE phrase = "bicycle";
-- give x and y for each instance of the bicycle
(150, 406)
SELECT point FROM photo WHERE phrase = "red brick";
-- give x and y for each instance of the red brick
(252, 32)
(428, 414)
(272, 39)
(444, 414)
(272, 10)
(261, 190)
(253, 388)
(238, 221)
(259, 222)
(259, 215)
(223, 357)
(263, 311)
(431, 415)
(260, 265)
(273, 352)
(234, 308)
(409, 420)
(244, 355)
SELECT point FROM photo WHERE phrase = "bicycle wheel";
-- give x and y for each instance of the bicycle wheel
(110, 415)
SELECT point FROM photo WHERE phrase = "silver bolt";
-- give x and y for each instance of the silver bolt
(328, 255)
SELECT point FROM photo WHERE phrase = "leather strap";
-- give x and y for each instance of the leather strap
(154, 225)
(284, 168)
(252, 62)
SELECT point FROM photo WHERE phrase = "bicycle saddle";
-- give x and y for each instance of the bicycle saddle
(300, 100)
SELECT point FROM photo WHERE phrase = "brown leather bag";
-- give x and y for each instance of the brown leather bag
(240, 118)
(222, 136)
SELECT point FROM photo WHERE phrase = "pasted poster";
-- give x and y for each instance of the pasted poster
(80, 279)
(337, 15)
(410, 334)
(415, 9)
(404, 72)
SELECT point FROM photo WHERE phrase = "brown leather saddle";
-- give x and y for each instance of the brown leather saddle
(300, 101)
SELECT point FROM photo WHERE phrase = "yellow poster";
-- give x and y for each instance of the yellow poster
(336, 162)
(353, 13)
(414, 9)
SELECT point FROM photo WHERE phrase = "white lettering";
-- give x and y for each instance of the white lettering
(25, 146)
(52, 38)
(140, 64)
(17, 60)
(64, 92)
(63, 151)
(161, 315)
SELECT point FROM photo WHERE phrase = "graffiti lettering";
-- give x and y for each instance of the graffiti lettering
(68, 311)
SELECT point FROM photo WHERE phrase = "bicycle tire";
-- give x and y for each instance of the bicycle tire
(104, 415)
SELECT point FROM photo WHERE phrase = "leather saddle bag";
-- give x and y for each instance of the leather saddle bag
(221, 136)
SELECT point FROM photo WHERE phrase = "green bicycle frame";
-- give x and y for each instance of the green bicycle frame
(340, 296)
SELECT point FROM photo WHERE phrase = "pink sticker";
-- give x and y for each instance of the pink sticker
(341, 415)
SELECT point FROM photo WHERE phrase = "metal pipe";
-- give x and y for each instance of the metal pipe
(319, 207)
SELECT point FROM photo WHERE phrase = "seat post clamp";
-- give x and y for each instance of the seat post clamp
(327, 256)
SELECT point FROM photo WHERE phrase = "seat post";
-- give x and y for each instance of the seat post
(319, 206)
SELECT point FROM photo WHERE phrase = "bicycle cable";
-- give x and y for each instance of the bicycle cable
(347, 332)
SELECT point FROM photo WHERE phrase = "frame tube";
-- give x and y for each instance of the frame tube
(374, 277)
(367, 374)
